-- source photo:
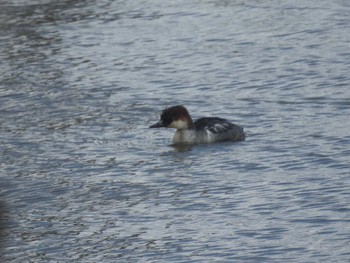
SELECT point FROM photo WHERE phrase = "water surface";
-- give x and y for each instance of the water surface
(82, 177)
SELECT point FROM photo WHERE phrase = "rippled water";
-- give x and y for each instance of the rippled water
(84, 180)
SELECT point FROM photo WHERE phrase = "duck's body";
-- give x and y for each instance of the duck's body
(203, 130)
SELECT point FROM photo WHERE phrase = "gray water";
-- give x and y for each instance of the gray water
(84, 180)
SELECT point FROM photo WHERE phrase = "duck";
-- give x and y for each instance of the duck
(203, 130)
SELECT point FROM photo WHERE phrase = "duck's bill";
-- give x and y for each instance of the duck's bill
(159, 124)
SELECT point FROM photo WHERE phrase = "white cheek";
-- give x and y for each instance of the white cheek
(179, 124)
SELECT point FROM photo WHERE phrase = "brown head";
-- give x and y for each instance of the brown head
(175, 117)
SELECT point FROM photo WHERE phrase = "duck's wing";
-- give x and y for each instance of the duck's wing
(214, 124)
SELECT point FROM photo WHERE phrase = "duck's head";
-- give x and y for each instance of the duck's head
(174, 117)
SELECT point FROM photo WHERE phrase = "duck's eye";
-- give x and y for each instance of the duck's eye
(166, 120)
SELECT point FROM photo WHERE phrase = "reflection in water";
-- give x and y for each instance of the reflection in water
(182, 147)
(3, 226)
